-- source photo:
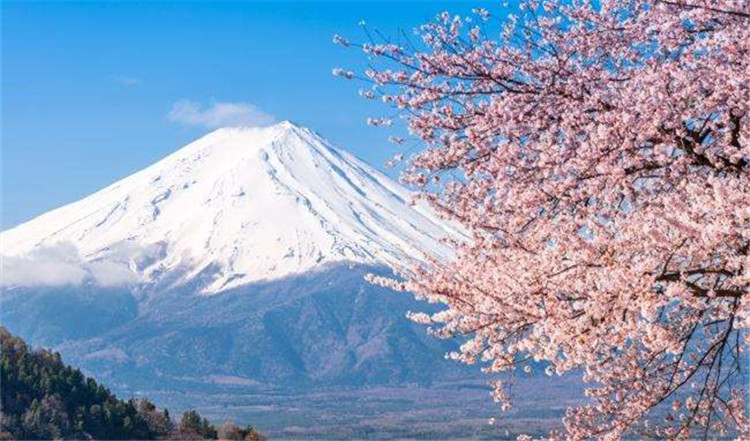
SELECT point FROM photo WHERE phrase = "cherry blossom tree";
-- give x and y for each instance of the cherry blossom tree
(599, 154)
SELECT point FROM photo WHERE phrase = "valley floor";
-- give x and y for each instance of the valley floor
(441, 412)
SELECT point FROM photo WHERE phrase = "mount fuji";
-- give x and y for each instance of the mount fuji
(238, 206)
(231, 273)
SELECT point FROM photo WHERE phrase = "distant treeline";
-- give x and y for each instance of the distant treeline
(42, 398)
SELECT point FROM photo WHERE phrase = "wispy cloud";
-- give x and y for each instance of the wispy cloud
(127, 81)
(218, 114)
(61, 264)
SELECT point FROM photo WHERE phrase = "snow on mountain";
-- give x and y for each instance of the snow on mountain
(242, 205)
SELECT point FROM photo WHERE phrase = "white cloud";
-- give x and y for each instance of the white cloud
(218, 114)
(49, 266)
(110, 273)
(61, 264)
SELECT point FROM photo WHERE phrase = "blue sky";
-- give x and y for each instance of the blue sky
(87, 86)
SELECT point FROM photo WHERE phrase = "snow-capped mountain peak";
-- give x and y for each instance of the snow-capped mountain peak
(241, 205)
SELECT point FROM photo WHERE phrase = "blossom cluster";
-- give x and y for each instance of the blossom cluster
(599, 153)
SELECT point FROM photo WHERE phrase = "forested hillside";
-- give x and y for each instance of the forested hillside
(42, 398)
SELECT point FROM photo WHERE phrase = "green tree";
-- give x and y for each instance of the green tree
(42, 398)
(158, 423)
(193, 426)
(190, 422)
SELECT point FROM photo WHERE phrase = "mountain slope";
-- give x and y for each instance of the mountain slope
(238, 206)
(324, 328)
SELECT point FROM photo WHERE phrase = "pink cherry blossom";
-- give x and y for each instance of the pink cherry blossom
(599, 154)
